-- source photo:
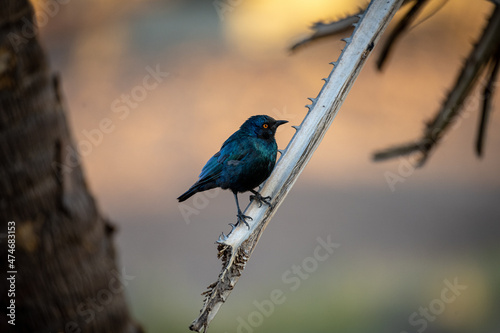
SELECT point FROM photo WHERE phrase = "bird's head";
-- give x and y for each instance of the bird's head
(262, 126)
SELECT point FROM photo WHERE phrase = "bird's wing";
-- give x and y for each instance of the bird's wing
(232, 151)
(211, 170)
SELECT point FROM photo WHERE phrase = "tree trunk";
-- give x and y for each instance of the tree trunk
(56, 249)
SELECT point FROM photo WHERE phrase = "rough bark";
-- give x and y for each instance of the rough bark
(66, 276)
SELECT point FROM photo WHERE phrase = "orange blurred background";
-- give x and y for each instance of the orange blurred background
(216, 64)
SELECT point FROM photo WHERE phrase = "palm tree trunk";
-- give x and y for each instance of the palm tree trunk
(56, 248)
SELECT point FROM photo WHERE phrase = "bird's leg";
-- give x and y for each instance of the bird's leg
(260, 199)
(241, 217)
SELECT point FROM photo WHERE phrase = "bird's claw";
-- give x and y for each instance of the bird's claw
(243, 218)
(260, 199)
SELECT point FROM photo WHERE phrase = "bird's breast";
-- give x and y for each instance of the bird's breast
(251, 171)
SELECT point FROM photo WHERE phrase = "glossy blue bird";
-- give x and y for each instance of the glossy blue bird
(244, 161)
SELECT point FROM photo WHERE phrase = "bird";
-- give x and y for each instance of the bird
(245, 160)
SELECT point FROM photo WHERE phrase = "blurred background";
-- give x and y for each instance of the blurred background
(173, 79)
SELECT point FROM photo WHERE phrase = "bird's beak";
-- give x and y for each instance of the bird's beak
(279, 122)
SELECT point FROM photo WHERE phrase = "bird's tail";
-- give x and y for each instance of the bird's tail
(200, 186)
(189, 193)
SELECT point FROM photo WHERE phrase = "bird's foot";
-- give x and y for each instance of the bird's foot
(260, 199)
(243, 218)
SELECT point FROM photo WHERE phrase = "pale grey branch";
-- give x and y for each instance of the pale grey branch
(236, 248)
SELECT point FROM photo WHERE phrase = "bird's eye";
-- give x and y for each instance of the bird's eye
(265, 125)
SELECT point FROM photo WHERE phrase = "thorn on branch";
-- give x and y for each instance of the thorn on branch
(322, 30)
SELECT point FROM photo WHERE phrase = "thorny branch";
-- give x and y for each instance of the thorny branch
(484, 58)
(488, 92)
(322, 29)
(402, 25)
(236, 248)
(484, 54)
